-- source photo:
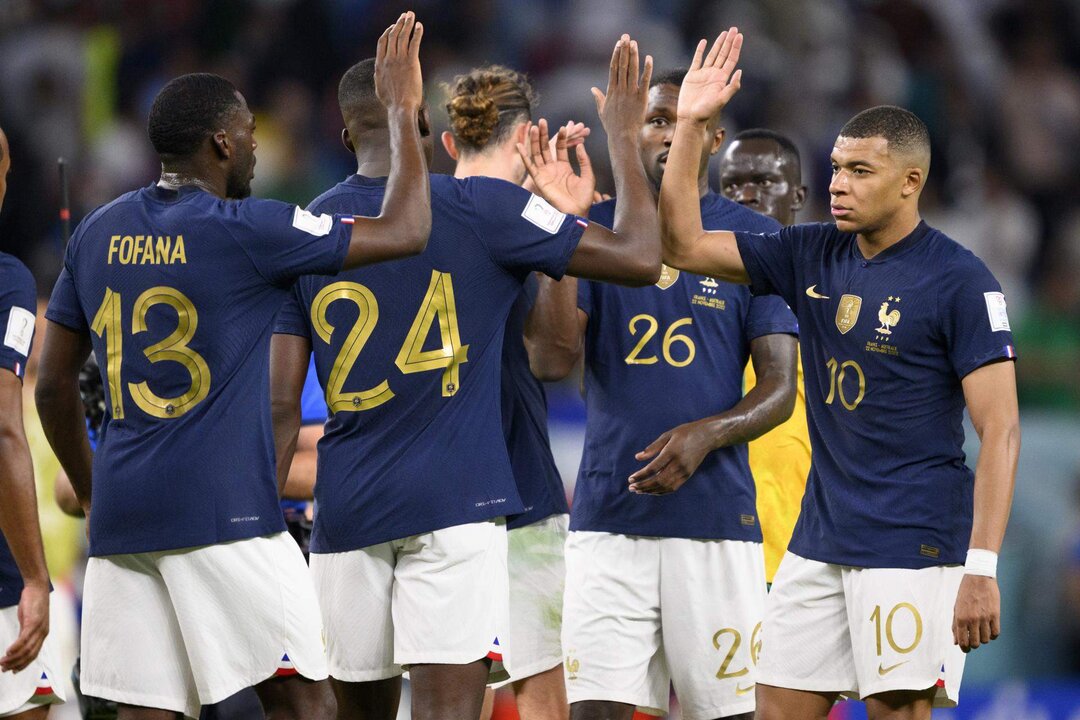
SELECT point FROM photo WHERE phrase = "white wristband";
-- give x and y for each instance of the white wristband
(981, 562)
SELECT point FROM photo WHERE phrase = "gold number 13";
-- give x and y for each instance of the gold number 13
(108, 325)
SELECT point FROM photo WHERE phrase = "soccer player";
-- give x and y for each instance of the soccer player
(664, 575)
(872, 599)
(761, 170)
(193, 589)
(26, 666)
(536, 536)
(414, 480)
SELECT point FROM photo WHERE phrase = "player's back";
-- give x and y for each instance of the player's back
(409, 354)
(178, 291)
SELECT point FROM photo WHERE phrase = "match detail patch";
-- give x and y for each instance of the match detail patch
(995, 308)
(317, 225)
(20, 330)
(540, 213)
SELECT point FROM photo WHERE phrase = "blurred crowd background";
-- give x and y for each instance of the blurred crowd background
(996, 81)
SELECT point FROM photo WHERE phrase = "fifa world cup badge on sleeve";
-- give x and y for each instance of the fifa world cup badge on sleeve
(20, 330)
(542, 214)
(995, 308)
(317, 225)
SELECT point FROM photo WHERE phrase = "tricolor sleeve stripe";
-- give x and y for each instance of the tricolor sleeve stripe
(581, 222)
(348, 220)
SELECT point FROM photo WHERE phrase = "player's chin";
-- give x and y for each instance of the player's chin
(848, 224)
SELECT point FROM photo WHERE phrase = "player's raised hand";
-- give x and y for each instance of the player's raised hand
(622, 108)
(33, 627)
(551, 172)
(398, 82)
(675, 455)
(712, 79)
(977, 613)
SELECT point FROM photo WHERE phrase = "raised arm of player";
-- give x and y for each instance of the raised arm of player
(19, 522)
(60, 407)
(990, 394)
(631, 254)
(404, 223)
(709, 85)
(289, 355)
(678, 453)
(554, 329)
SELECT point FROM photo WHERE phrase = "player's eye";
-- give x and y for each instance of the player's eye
(835, 168)
(765, 183)
(658, 122)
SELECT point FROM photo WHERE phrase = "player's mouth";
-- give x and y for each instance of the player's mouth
(839, 211)
(662, 158)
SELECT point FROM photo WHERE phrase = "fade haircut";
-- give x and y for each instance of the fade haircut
(189, 109)
(357, 97)
(902, 129)
(788, 151)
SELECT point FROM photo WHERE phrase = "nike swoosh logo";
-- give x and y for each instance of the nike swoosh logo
(740, 690)
(812, 292)
(883, 671)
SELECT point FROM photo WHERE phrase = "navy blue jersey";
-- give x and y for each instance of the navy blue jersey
(409, 353)
(885, 343)
(313, 409)
(524, 415)
(178, 291)
(18, 301)
(659, 357)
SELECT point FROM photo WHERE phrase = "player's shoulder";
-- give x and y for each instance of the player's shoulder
(120, 204)
(353, 189)
(487, 190)
(951, 259)
(15, 277)
(720, 213)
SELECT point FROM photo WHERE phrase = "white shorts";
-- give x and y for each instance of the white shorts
(537, 576)
(861, 631)
(643, 612)
(438, 597)
(177, 629)
(40, 683)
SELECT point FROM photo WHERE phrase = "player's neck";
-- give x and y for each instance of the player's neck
(372, 164)
(487, 166)
(876, 241)
(174, 178)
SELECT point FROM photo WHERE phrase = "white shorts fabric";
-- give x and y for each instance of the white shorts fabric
(40, 683)
(861, 631)
(537, 576)
(182, 628)
(438, 597)
(643, 612)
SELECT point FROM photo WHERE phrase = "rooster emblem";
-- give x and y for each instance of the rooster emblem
(887, 318)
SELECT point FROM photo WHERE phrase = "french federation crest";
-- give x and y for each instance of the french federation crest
(668, 276)
(847, 313)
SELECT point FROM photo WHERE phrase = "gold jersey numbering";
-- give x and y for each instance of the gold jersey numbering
(437, 308)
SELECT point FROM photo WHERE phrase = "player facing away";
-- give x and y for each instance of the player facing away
(891, 569)
(664, 558)
(486, 107)
(414, 480)
(761, 170)
(193, 589)
(26, 665)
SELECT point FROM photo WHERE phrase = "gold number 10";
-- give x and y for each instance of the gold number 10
(836, 384)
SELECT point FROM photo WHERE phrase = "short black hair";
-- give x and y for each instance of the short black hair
(356, 91)
(787, 146)
(901, 128)
(189, 109)
(674, 76)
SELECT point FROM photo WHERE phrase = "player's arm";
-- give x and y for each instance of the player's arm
(554, 329)
(289, 356)
(60, 407)
(631, 254)
(19, 522)
(678, 453)
(404, 222)
(65, 496)
(707, 88)
(300, 483)
(990, 394)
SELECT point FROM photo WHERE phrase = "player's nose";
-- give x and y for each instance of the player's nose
(747, 195)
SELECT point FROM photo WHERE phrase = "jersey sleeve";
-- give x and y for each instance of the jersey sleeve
(585, 296)
(292, 318)
(770, 315)
(974, 317)
(521, 231)
(64, 306)
(18, 300)
(769, 259)
(285, 241)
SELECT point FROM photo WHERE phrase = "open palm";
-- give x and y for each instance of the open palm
(712, 79)
(552, 173)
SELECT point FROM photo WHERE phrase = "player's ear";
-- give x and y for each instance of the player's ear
(521, 134)
(220, 141)
(449, 145)
(346, 140)
(717, 140)
(914, 179)
(800, 198)
(424, 121)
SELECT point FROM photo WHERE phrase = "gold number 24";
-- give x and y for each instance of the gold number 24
(438, 306)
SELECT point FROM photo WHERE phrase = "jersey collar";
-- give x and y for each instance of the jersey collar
(895, 250)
